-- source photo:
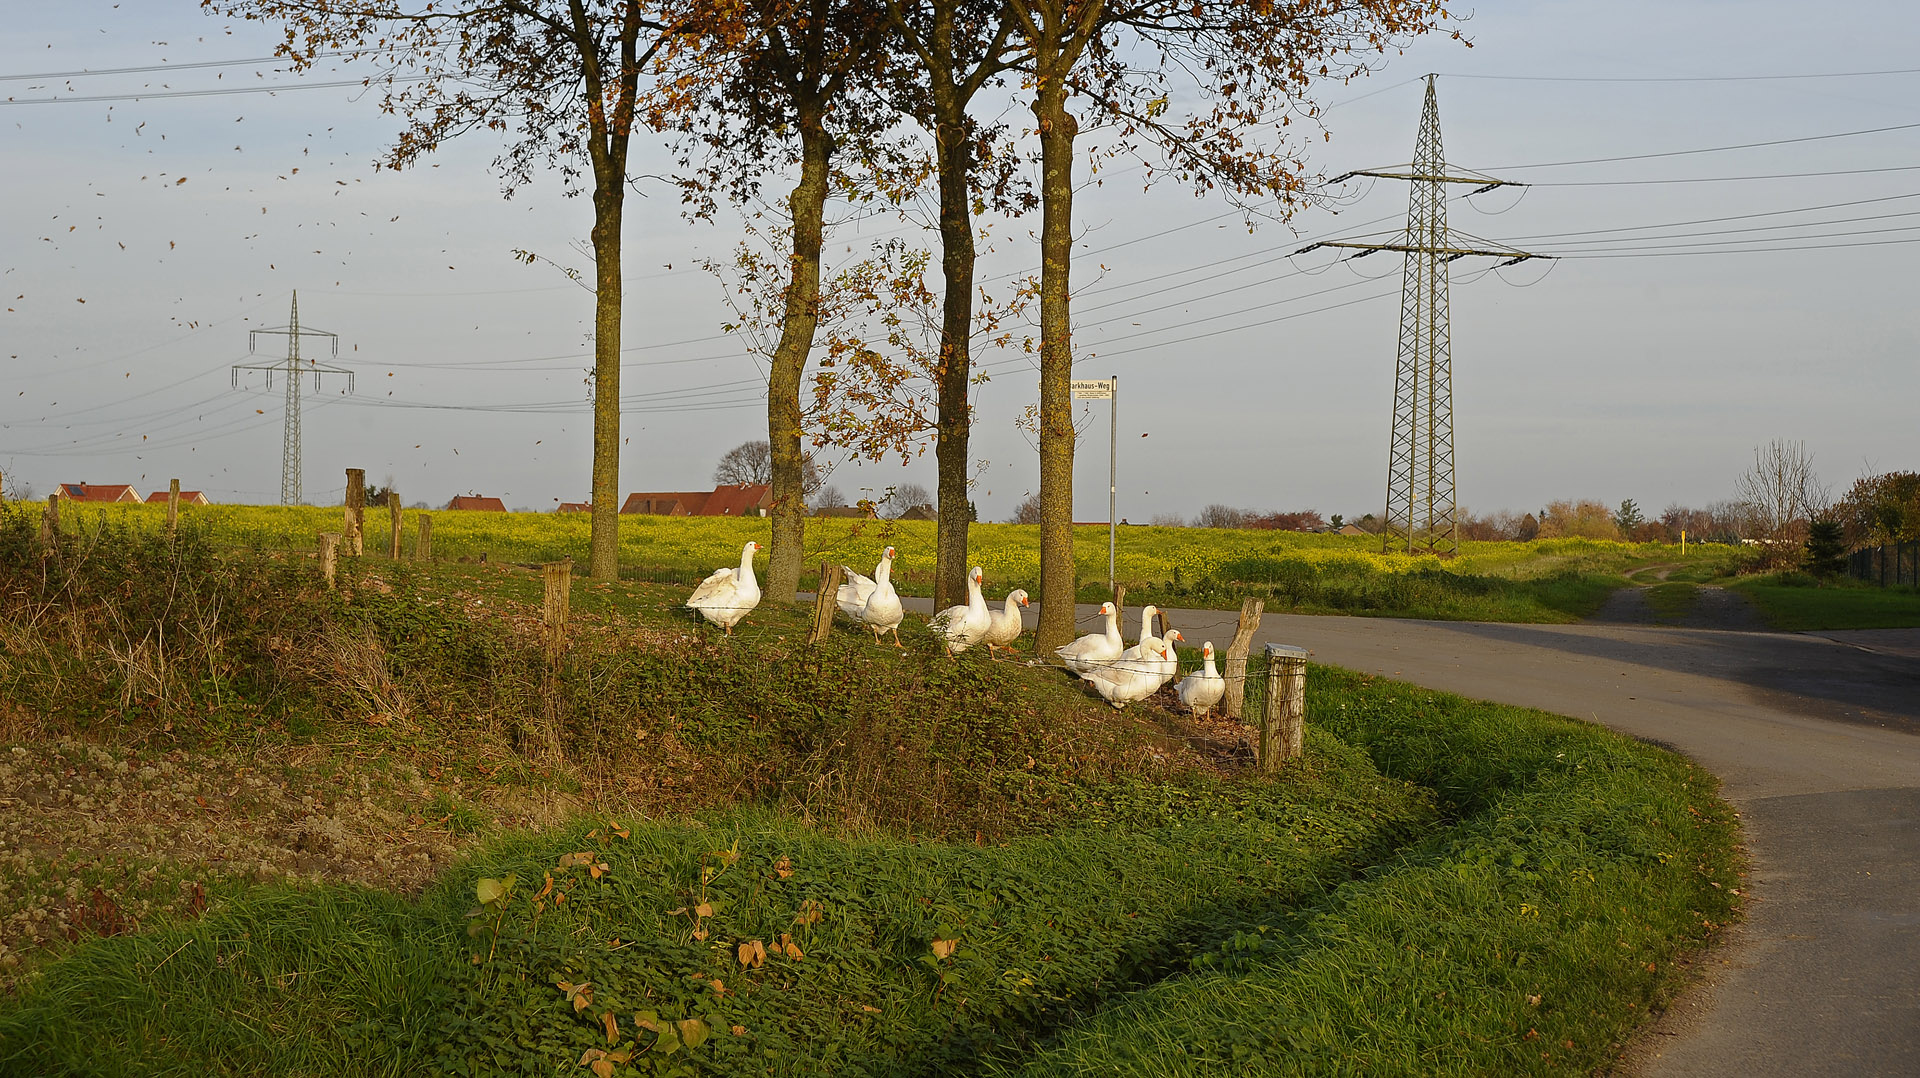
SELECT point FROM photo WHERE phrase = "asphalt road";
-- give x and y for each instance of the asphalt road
(1816, 740)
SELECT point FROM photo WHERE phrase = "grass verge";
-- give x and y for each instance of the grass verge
(1529, 937)
(1798, 602)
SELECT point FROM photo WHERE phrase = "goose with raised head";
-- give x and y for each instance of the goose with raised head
(1203, 688)
(1095, 649)
(1118, 685)
(1134, 655)
(961, 627)
(1007, 625)
(873, 602)
(729, 594)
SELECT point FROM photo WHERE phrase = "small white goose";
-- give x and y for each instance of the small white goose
(1134, 656)
(1120, 686)
(1095, 649)
(1007, 626)
(1168, 667)
(964, 626)
(874, 603)
(728, 595)
(1203, 688)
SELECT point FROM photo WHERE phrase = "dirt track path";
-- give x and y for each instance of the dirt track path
(1817, 742)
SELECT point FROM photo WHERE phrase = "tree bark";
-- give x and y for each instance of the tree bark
(807, 208)
(955, 422)
(1058, 128)
(603, 556)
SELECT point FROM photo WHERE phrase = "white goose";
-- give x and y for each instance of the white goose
(1006, 624)
(1120, 686)
(728, 595)
(1095, 649)
(874, 603)
(964, 626)
(1203, 688)
(1167, 668)
(1135, 656)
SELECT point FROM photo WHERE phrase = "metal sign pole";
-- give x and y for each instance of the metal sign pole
(1113, 465)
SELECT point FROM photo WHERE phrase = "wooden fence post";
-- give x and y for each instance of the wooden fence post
(559, 579)
(50, 523)
(823, 603)
(393, 525)
(423, 549)
(329, 554)
(173, 507)
(356, 511)
(1283, 725)
(1236, 671)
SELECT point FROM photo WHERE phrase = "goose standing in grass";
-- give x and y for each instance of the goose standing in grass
(1095, 649)
(1120, 686)
(964, 626)
(1203, 688)
(873, 603)
(1007, 626)
(728, 595)
(1167, 667)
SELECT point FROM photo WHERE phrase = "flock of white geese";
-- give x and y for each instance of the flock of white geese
(1121, 674)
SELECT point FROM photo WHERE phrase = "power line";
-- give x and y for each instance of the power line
(1718, 149)
(221, 91)
(1685, 78)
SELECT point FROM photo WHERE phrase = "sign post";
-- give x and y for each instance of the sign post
(1107, 389)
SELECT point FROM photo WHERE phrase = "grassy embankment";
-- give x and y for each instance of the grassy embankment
(1798, 602)
(943, 866)
(1553, 580)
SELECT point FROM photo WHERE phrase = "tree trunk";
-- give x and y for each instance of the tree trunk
(807, 206)
(603, 557)
(1058, 129)
(956, 354)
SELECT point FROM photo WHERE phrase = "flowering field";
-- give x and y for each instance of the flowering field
(1548, 579)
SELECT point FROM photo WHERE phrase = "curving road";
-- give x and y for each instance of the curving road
(1816, 739)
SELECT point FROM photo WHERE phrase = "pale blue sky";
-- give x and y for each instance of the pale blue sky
(1649, 375)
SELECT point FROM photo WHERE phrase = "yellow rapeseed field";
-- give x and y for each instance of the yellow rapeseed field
(1009, 553)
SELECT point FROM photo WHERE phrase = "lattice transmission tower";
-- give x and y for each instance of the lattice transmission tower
(1420, 514)
(293, 368)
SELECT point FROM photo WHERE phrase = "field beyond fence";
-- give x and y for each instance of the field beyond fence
(1542, 580)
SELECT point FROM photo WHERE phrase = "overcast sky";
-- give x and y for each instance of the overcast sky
(141, 239)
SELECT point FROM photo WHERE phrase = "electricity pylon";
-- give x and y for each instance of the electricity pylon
(1420, 492)
(293, 368)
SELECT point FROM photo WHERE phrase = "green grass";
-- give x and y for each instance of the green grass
(1527, 938)
(1324, 923)
(1798, 602)
(1672, 601)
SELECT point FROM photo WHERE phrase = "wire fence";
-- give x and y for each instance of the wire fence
(1888, 565)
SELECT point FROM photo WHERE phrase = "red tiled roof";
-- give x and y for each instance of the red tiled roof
(478, 502)
(737, 500)
(187, 497)
(665, 503)
(106, 492)
(575, 507)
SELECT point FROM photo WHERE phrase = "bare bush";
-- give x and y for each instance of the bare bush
(1168, 520)
(1027, 512)
(1782, 492)
(1220, 516)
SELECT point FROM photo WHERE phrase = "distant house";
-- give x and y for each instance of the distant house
(187, 497)
(919, 512)
(1351, 529)
(479, 503)
(575, 507)
(91, 492)
(732, 500)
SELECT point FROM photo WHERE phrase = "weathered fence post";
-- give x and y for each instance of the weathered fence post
(423, 549)
(559, 578)
(173, 507)
(329, 554)
(356, 511)
(1236, 672)
(50, 523)
(824, 603)
(393, 525)
(1283, 725)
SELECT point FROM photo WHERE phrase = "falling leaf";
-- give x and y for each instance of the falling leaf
(180, 181)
